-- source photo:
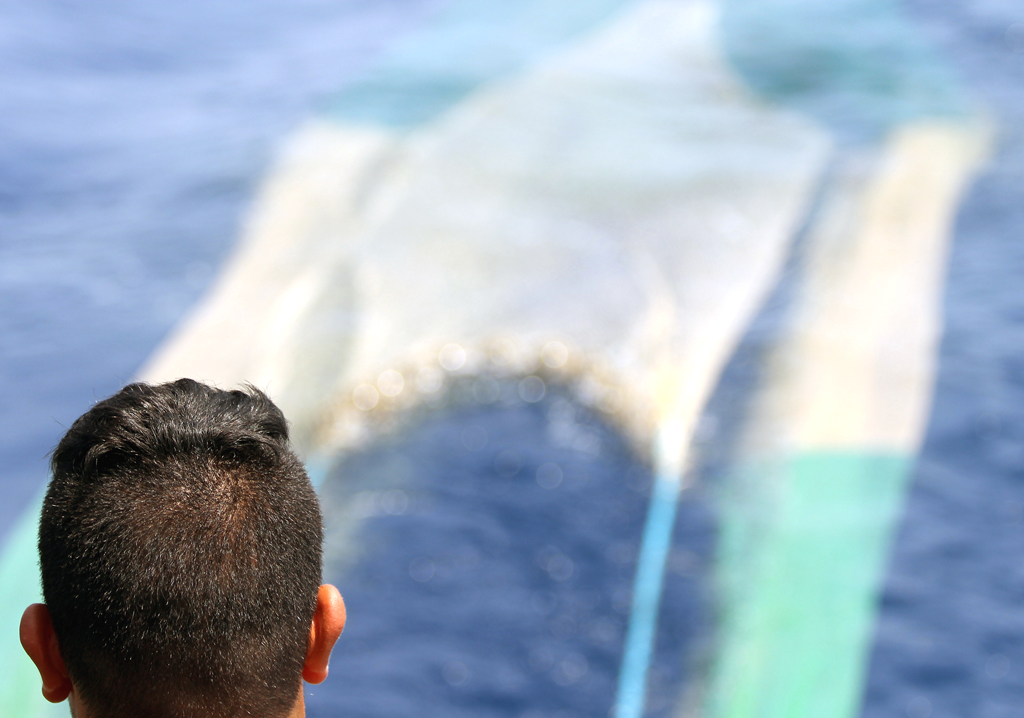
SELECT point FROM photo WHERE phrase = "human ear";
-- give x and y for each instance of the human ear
(328, 622)
(40, 643)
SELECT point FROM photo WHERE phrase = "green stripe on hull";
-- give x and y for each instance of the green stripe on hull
(800, 564)
(20, 686)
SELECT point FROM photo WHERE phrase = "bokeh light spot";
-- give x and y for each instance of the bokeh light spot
(549, 476)
(508, 463)
(554, 354)
(532, 389)
(390, 383)
(452, 357)
(429, 379)
(919, 707)
(455, 673)
(365, 397)
(503, 352)
(421, 569)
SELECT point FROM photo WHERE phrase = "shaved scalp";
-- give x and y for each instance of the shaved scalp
(180, 547)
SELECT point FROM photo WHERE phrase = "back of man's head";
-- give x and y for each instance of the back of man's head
(180, 547)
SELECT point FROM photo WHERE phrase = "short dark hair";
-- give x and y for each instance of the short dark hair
(180, 547)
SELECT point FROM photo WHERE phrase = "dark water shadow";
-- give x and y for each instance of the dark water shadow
(487, 556)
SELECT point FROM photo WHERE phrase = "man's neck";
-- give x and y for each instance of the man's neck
(78, 710)
(299, 709)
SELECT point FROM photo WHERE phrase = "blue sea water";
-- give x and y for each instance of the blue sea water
(476, 592)
(950, 636)
(131, 141)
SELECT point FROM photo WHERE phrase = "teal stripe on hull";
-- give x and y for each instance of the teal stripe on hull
(20, 686)
(803, 548)
(860, 66)
(473, 42)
